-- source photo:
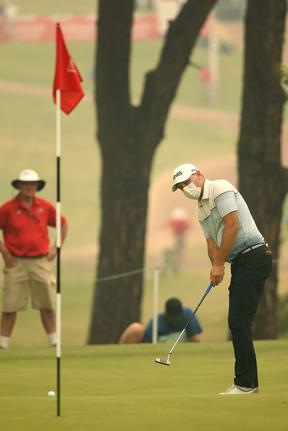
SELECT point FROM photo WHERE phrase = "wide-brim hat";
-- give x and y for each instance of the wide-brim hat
(28, 175)
(182, 173)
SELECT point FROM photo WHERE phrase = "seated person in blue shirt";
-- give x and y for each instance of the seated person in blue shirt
(170, 325)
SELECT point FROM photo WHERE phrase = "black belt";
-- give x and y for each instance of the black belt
(253, 247)
(249, 249)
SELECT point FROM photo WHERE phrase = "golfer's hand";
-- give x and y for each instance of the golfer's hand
(9, 260)
(52, 253)
(217, 274)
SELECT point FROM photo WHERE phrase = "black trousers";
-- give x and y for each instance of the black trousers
(248, 274)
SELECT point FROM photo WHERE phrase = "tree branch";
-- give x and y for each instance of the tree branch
(161, 84)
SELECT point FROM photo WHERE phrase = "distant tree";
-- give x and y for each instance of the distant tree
(128, 136)
(284, 79)
(263, 179)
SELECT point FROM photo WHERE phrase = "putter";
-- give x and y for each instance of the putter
(167, 361)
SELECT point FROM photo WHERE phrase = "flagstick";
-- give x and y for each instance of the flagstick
(58, 246)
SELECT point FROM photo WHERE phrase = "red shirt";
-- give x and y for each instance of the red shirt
(25, 231)
(179, 226)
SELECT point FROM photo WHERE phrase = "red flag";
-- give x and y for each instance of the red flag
(67, 77)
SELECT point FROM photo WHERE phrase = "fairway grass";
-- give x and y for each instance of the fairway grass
(121, 388)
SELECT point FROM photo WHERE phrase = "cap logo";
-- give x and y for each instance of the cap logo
(177, 175)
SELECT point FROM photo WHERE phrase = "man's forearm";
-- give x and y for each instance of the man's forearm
(213, 250)
(53, 250)
(2, 247)
(64, 230)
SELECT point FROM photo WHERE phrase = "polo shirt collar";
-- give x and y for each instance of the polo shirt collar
(206, 189)
(20, 204)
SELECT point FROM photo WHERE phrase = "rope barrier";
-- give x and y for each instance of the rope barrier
(123, 274)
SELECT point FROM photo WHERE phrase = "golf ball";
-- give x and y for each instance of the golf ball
(51, 394)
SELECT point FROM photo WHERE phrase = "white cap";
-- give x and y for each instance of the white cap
(29, 176)
(182, 173)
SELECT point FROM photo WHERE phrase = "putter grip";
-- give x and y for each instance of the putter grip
(209, 288)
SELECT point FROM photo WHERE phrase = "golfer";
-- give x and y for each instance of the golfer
(232, 236)
(27, 256)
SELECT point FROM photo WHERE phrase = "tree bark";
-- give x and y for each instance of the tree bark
(263, 180)
(128, 136)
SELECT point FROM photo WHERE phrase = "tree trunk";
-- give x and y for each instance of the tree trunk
(128, 136)
(263, 180)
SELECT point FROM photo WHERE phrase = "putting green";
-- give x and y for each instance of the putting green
(122, 388)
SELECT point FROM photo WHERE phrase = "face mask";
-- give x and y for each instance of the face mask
(191, 191)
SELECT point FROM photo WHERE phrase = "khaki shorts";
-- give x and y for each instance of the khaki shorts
(32, 276)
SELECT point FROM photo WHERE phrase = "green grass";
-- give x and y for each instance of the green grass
(121, 388)
(45, 7)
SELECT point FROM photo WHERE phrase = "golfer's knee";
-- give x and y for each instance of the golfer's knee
(134, 333)
(234, 323)
(239, 325)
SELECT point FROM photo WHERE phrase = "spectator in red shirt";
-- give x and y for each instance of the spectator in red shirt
(206, 83)
(179, 225)
(27, 255)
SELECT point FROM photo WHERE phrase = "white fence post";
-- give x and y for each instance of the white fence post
(155, 304)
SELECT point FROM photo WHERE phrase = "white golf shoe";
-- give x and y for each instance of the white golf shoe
(239, 390)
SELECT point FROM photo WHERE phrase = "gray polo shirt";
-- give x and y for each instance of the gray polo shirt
(219, 199)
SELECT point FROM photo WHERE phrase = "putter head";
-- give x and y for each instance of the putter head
(163, 361)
